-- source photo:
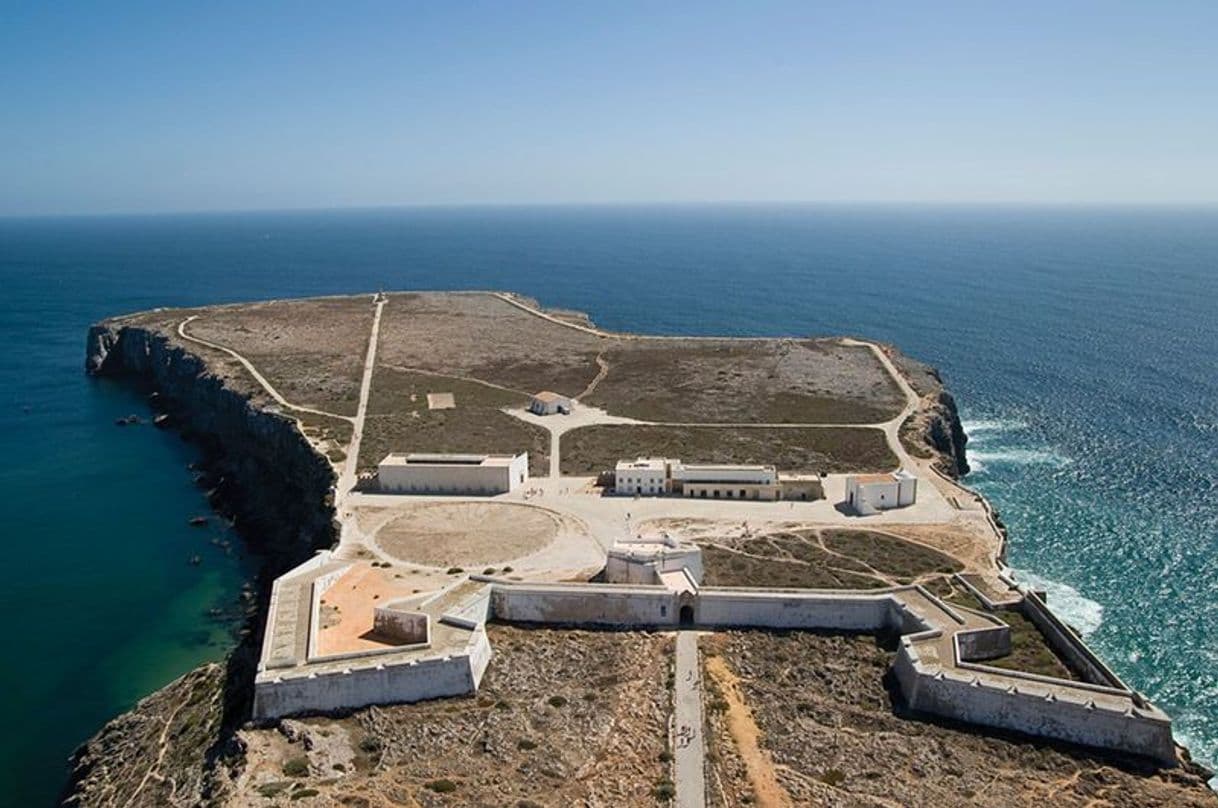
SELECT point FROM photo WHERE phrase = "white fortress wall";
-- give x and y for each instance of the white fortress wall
(401, 624)
(773, 609)
(1065, 642)
(316, 592)
(1072, 716)
(983, 643)
(588, 604)
(284, 603)
(479, 654)
(359, 686)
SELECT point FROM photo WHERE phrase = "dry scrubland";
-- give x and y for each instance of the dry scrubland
(833, 558)
(562, 718)
(398, 419)
(832, 733)
(312, 351)
(490, 355)
(593, 449)
(754, 381)
(826, 558)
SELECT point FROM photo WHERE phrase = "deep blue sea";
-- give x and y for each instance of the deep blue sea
(1082, 345)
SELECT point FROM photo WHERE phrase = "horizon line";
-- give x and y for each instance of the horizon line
(720, 203)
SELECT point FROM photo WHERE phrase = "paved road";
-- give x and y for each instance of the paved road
(689, 744)
(346, 480)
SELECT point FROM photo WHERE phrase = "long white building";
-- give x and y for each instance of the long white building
(868, 494)
(655, 476)
(479, 474)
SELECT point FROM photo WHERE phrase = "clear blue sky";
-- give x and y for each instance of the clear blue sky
(167, 106)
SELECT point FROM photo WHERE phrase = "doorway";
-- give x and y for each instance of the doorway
(686, 616)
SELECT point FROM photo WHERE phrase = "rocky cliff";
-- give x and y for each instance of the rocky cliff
(278, 491)
(934, 431)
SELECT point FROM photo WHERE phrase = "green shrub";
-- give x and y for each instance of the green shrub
(832, 777)
(664, 791)
(305, 792)
(370, 744)
(557, 701)
(442, 786)
(273, 789)
(296, 767)
(526, 744)
(455, 571)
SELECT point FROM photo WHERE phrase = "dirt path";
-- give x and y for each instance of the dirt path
(258, 377)
(604, 371)
(745, 733)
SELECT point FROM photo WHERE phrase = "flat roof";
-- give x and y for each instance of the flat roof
(430, 459)
(642, 463)
(724, 467)
(876, 478)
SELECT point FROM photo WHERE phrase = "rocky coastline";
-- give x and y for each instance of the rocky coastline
(265, 476)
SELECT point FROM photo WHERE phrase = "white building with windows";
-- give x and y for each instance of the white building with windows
(656, 476)
(646, 476)
(868, 494)
(467, 474)
(727, 482)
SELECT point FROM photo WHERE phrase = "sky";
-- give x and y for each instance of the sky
(174, 106)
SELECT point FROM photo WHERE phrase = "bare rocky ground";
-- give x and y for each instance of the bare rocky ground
(834, 733)
(562, 718)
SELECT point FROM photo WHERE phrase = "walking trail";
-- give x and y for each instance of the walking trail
(689, 743)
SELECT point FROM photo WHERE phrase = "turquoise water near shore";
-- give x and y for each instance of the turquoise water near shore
(1081, 344)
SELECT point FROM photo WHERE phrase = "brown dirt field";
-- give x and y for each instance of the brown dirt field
(770, 381)
(562, 718)
(837, 737)
(482, 337)
(733, 733)
(592, 449)
(467, 533)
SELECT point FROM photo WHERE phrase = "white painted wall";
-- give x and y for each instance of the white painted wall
(354, 687)
(429, 478)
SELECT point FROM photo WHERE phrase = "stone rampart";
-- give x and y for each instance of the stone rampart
(1047, 710)
(1068, 644)
(374, 682)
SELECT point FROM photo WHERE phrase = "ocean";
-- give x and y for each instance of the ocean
(1081, 345)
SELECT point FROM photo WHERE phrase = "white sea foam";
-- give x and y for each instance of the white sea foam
(985, 425)
(978, 461)
(1066, 602)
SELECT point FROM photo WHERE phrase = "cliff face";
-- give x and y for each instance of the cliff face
(934, 431)
(277, 487)
(942, 430)
(279, 492)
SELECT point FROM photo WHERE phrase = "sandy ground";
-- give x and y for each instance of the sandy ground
(347, 606)
(474, 534)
